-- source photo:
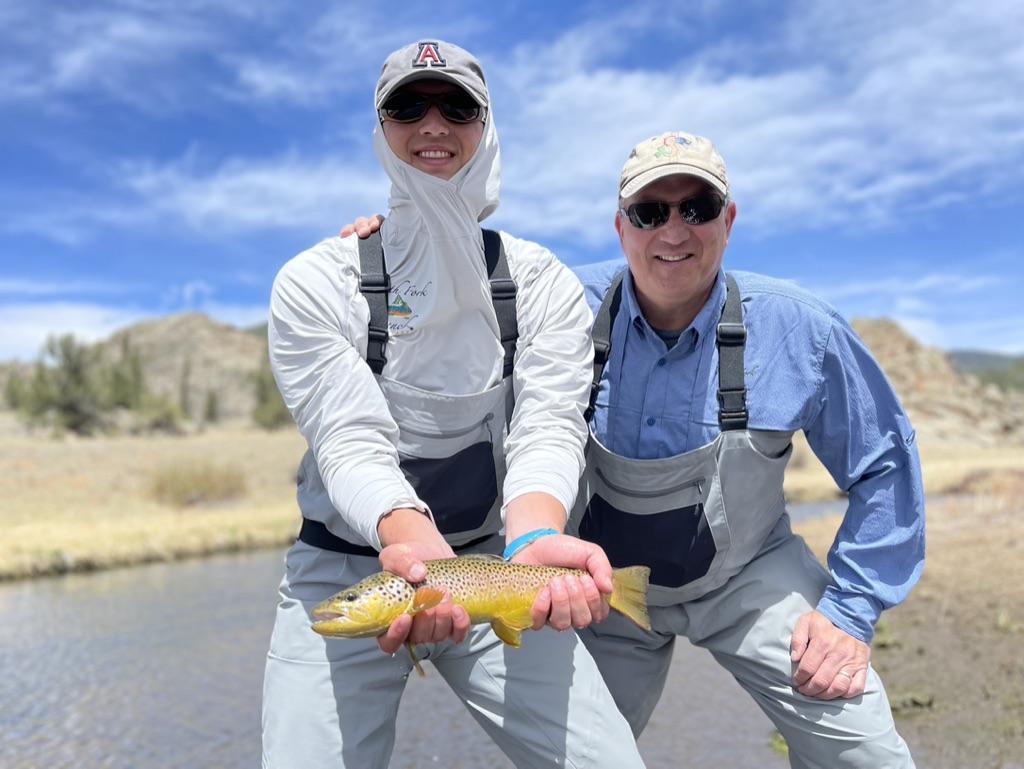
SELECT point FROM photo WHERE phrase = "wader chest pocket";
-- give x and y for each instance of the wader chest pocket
(460, 489)
(677, 544)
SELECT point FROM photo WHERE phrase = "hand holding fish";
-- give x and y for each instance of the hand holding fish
(445, 621)
(569, 600)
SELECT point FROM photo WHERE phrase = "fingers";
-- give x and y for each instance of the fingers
(541, 608)
(801, 637)
(571, 601)
(363, 226)
(445, 622)
(399, 559)
(395, 636)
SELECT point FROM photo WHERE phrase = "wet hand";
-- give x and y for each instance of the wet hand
(830, 662)
(569, 601)
(363, 226)
(446, 621)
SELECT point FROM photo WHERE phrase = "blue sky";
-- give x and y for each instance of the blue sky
(160, 157)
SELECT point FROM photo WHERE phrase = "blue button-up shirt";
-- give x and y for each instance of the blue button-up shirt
(805, 369)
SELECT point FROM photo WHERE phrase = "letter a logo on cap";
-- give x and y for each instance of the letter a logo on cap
(429, 56)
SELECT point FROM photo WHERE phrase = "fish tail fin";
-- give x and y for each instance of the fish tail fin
(629, 593)
(415, 661)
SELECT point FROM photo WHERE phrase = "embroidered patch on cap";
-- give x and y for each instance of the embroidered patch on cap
(429, 55)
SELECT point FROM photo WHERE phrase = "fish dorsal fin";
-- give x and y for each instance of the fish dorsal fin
(484, 557)
(425, 598)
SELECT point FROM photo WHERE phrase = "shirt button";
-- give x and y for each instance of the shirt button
(650, 421)
(661, 361)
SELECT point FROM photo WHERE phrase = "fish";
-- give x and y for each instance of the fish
(490, 589)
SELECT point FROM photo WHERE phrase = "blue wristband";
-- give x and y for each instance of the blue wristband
(522, 541)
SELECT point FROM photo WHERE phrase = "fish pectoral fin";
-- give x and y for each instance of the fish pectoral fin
(415, 660)
(425, 598)
(508, 627)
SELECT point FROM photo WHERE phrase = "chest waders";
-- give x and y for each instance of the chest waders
(450, 446)
(696, 518)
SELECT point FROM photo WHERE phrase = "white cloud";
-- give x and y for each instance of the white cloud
(25, 327)
(37, 288)
(856, 115)
(285, 193)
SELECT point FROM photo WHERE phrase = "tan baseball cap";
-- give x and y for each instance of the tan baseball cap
(432, 60)
(672, 153)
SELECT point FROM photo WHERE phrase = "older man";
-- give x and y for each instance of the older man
(701, 378)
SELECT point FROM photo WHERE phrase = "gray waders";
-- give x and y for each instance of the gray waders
(333, 702)
(726, 571)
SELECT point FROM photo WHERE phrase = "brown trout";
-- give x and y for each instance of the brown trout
(489, 588)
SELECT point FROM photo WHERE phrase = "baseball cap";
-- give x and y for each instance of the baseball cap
(675, 152)
(432, 60)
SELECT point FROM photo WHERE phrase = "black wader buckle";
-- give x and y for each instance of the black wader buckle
(503, 288)
(732, 409)
(731, 334)
(374, 284)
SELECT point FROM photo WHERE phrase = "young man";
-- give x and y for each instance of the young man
(430, 391)
(700, 381)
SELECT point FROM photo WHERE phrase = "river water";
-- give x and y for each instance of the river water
(161, 666)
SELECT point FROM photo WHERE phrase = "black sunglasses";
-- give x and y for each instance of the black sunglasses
(409, 106)
(699, 209)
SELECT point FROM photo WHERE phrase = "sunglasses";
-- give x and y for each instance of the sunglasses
(699, 209)
(408, 107)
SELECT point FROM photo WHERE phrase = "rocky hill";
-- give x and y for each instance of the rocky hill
(207, 355)
(944, 404)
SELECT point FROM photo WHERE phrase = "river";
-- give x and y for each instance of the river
(160, 666)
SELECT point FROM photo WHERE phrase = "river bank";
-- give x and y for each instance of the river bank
(949, 655)
(74, 504)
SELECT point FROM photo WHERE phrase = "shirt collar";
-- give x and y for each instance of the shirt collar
(706, 320)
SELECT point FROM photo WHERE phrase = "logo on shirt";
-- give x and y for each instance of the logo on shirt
(429, 56)
(399, 308)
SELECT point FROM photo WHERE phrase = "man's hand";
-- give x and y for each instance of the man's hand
(569, 601)
(832, 663)
(363, 226)
(446, 621)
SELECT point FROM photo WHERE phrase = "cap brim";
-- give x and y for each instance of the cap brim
(427, 74)
(638, 182)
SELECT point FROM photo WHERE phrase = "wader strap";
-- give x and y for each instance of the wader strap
(375, 283)
(731, 337)
(503, 296)
(602, 336)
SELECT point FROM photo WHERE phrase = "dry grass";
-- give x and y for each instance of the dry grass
(88, 503)
(187, 484)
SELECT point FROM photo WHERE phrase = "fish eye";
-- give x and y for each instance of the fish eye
(350, 596)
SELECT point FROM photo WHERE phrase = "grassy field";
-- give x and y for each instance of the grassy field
(950, 656)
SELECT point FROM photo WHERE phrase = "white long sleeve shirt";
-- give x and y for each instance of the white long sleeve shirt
(318, 337)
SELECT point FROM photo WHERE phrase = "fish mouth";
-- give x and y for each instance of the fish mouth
(325, 613)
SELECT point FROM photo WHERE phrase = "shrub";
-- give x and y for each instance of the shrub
(211, 410)
(64, 387)
(194, 482)
(15, 391)
(270, 412)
